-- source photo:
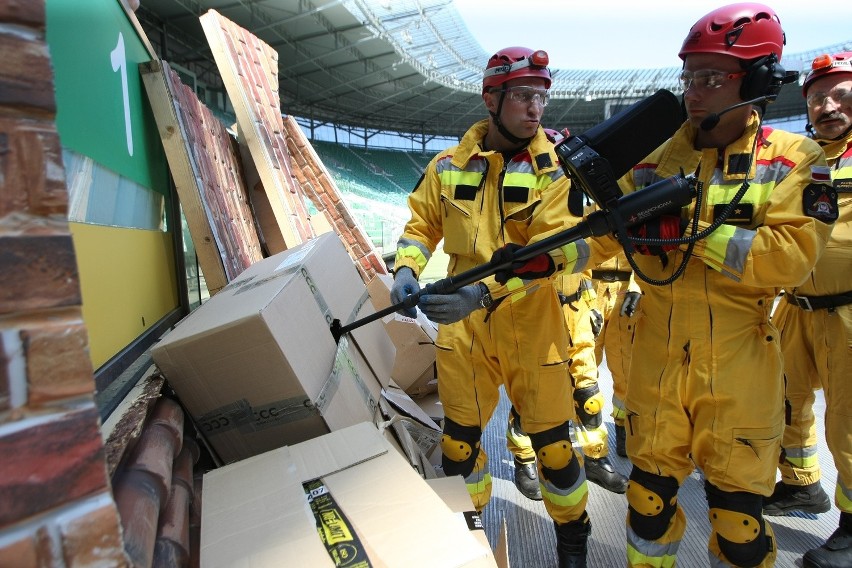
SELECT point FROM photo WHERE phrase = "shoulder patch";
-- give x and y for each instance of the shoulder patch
(819, 200)
(543, 161)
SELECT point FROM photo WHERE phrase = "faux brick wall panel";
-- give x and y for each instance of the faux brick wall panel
(39, 271)
(32, 549)
(23, 12)
(243, 59)
(32, 175)
(92, 537)
(58, 364)
(50, 464)
(26, 77)
(220, 182)
(327, 199)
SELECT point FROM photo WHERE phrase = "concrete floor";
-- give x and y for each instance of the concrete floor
(532, 540)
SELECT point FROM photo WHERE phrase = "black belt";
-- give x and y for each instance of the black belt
(611, 275)
(570, 299)
(811, 303)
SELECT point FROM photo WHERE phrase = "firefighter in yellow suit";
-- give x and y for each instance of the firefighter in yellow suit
(499, 189)
(815, 321)
(618, 297)
(705, 387)
(578, 304)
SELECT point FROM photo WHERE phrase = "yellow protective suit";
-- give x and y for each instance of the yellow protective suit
(705, 383)
(578, 296)
(613, 279)
(817, 348)
(477, 203)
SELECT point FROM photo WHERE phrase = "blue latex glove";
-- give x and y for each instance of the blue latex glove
(630, 303)
(404, 284)
(450, 308)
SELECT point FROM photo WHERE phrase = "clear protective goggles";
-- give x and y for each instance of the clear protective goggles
(706, 78)
(526, 95)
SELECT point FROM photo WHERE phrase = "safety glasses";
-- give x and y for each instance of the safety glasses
(706, 78)
(818, 100)
(526, 95)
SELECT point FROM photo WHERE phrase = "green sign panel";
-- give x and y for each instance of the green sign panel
(103, 111)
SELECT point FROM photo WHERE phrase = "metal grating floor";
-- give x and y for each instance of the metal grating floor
(532, 540)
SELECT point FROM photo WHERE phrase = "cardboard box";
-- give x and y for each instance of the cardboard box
(414, 339)
(257, 366)
(454, 493)
(256, 512)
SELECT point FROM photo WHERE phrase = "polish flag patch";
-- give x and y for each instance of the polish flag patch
(820, 174)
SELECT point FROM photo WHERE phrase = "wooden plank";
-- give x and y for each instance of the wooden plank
(249, 70)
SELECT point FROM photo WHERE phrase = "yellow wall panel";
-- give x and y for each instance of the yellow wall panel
(127, 278)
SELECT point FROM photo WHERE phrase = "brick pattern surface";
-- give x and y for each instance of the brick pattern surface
(312, 175)
(207, 173)
(56, 508)
(249, 68)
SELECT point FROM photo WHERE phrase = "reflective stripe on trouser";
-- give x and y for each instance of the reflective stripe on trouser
(523, 346)
(688, 404)
(817, 348)
(562, 478)
(799, 464)
(593, 440)
(615, 341)
(659, 553)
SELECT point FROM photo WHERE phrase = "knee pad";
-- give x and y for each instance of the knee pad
(553, 449)
(652, 502)
(589, 403)
(737, 519)
(459, 448)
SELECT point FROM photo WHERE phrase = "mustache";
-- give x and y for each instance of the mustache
(836, 115)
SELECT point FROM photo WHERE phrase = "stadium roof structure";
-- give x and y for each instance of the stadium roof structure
(408, 66)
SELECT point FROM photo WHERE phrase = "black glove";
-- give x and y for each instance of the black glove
(630, 303)
(597, 321)
(663, 227)
(404, 284)
(539, 266)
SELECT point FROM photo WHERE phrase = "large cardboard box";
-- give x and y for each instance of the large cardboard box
(257, 366)
(365, 500)
(454, 493)
(414, 339)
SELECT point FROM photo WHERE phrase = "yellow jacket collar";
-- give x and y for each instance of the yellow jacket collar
(540, 148)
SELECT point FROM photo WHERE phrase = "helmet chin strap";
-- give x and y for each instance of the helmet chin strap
(501, 128)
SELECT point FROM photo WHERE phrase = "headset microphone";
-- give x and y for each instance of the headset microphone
(712, 119)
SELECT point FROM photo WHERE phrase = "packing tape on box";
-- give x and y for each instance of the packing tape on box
(336, 532)
(329, 388)
(341, 357)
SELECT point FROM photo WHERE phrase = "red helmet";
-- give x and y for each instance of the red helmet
(513, 62)
(827, 64)
(746, 31)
